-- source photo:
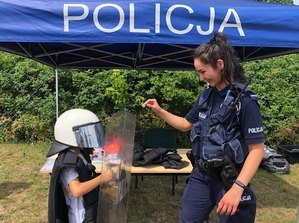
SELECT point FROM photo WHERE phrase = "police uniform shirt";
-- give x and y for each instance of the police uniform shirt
(249, 117)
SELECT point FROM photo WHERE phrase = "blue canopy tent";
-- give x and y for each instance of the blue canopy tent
(142, 34)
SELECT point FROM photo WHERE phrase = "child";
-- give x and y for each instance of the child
(73, 194)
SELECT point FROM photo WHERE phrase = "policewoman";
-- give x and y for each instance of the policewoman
(226, 134)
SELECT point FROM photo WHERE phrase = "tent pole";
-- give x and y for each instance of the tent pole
(56, 85)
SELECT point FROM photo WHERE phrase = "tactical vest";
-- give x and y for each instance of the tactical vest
(218, 135)
(57, 209)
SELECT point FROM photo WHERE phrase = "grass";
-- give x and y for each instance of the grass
(24, 191)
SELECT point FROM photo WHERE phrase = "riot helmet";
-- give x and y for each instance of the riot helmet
(77, 128)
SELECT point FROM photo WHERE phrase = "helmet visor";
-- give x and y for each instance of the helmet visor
(89, 135)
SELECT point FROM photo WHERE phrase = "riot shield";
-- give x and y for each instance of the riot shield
(118, 155)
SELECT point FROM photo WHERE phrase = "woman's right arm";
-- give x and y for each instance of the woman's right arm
(175, 121)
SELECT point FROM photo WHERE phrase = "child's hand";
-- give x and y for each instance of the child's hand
(106, 176)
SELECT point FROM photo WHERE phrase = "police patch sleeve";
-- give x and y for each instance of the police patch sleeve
(192, 115)
(251, 122)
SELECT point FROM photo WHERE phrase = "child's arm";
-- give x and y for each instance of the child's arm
(78, 188)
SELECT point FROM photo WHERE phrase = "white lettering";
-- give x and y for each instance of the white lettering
(168, 19)
(255, 130)
(77, 12)
(211, 24)
(120, 22)
(157, 18)
(238, 24)
(246, 198)
(201, 115)
(132, 22)
(67, 18)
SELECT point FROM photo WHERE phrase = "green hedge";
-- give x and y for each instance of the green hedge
(27, 96)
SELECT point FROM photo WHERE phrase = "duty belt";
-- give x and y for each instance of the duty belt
(221, 169)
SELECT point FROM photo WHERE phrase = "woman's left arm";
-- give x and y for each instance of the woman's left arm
(230, 201)
(252, 162)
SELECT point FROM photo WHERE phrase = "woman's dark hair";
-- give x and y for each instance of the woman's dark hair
(219, 48)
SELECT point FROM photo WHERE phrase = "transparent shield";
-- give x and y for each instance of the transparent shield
(118, 155)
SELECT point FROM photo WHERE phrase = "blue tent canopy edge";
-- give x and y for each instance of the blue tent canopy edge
(142, 35)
